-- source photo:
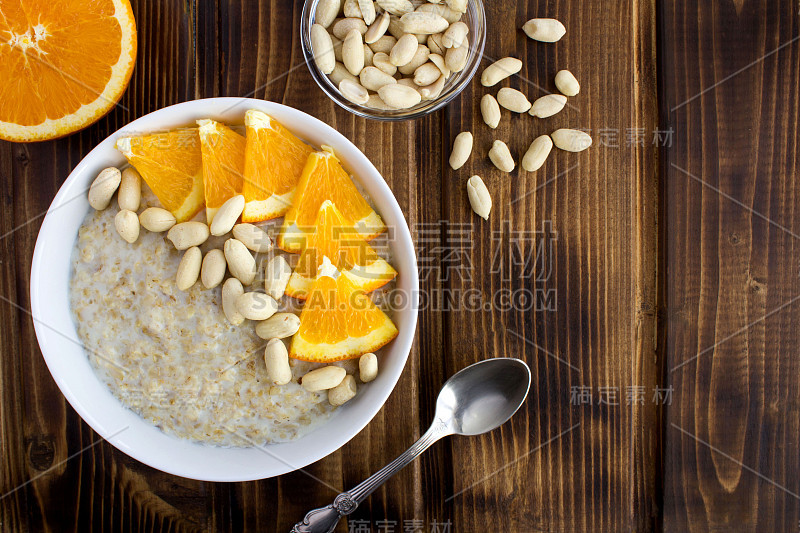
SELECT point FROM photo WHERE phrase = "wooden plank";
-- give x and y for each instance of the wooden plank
(730, 93)
(560, 466)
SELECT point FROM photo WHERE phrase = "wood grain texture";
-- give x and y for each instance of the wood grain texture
(730, 93)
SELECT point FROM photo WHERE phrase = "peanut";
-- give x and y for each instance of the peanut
(377, 29)
(322, 48)
(130, 190)
(323, 378)
(384, 44)
(353, 52)
(227, 215)
(536, 155)
(500, 70)
(438, 60)
(426, 74)
(253, 237)
(548, 105)
(462, 148)
(343, 26)
(513, 100)
(399, 96)
(240, 262)
(127, 224)
(354, 92)
(156, 219)
(278, 326)
(343, 392)
(567, 83)
(490, 111)
(419, 59)
(456, 58)
(276, 276)
(455, 35)
(326, 12)
(213, 269)
(256, 305)
(103, 188)
(368, 12)
(501, 156)
(424, 23)
(276, 359)
(188, 268)
(459, 6)
(545, 30)
(350, 8)
(396, 7)
(479, 197)
(340, 73)
(571, 140)
(373, 78)
(381, 61)
(368, 55)
(450, 15)
(231, 290)
(188, 234)
(432, 91)
(367, 367)
(404, 50)
(375, 102)
(435, 44)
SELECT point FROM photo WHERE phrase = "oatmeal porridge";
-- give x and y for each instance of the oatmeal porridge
(170, 355)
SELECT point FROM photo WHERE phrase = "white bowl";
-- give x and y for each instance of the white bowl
(69, 364)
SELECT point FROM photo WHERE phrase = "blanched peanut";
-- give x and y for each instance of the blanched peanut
(420, 57)
(501, 156)
(545, 30)
(425, 23)
(213, 270)
(322, 48)
(571, 140)
(399, 96)
(368, 54)
(323, 378)
(354, 92)
(383, 44)
(373, 78)
(377, 29)
(567, 83)
(127, 225)
(381, 61)
(450, 15)
(253, 237)
(426, 74)
(340, 73)
(456, 58)
(432, 91)
(439, 61)
(188, 268)
(276, 276)
(240, 261)
(103, 188)
(343, 26)
(396, 7)
(462, 148)
(490, 111)
(353, 52)
(227, 215)
(536, 155)
(455, 35)
(435, 44)
(513, 100)
(367, 367)
(188, 234)
(326, 12)
(404, 50)
(231, 290)
(156, 219)
(479, 197)
(343, 392)
(278, 326)
(256, 305)
(548, 105)
(500, 70)
(130, 190)
(276, 359)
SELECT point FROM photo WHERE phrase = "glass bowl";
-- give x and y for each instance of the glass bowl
(475, 18)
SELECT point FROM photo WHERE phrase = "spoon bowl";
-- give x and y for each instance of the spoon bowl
(483, 396)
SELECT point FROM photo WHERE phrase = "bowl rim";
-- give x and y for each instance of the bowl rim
(323, 81)
(104, 413)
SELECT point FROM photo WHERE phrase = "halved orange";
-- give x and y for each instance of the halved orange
(274, 159)
(339, 321)
(324, 179)
(172, 166)
(347, 250)
(64, 64)
(223, 164)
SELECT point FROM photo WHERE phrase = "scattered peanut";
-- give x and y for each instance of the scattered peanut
(240, 261)
(188, 234)
(278, 326)
(130, 190)
(156, 219)
(536, 155)
(548, 105)
(545, 30)
(513, 100)
(276, 359)
(103, 188)
(343, 392)
(256, 305)
(490, 111)
(213, 270)
(231, 290)
(500, 70)
(227, 215)
(276, 276)
(189, 268)
(567, 83)
(501, 156)
(571, 140)
(253, 237)
(367, 367)
(462, 148)
(127, 224)
(479, 197)
(323, 378)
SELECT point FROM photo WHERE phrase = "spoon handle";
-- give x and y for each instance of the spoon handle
(324, 519)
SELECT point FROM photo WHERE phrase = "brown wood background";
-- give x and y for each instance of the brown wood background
(662, 253)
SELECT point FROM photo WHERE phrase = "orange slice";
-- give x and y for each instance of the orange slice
(64, 64)
(339, 321)
(172, 166)
(347, 249)
(274, 159)
(223, 164)
(324, 179)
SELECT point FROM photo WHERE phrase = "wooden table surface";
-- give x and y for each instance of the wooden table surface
(650, 282)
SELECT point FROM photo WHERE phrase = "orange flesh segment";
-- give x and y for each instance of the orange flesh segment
(274, 161)
(223, 162)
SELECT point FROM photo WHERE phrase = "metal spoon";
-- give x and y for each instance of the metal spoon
(475, 400)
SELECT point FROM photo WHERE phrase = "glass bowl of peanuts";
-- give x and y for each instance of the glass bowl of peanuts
(393, 59)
